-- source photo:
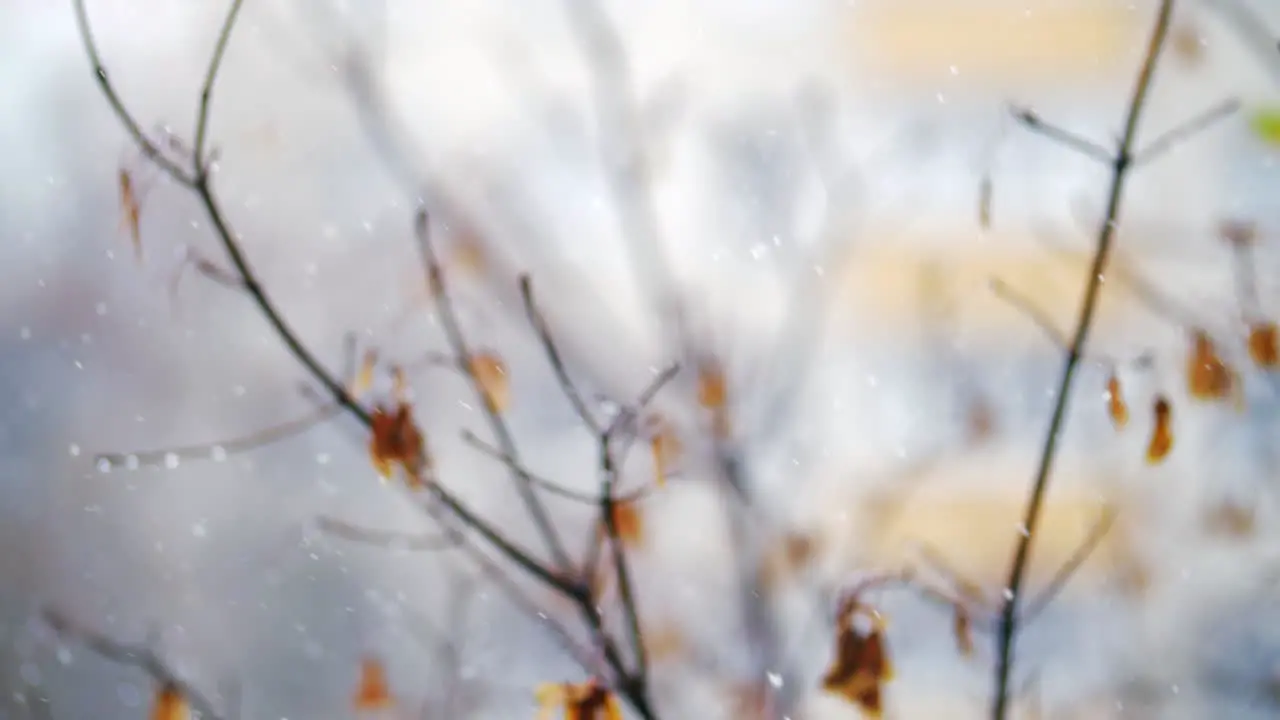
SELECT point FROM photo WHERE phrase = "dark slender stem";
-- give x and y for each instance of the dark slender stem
(206, 90)
(1121, 164)
(136, 133)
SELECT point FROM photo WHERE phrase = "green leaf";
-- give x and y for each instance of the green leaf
(1265, 123)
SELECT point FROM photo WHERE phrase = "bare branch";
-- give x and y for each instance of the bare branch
(1186, 130)
(471, 439)
(1060, 579)
(1026, 307)
(1067, 139)
(458, 342)
(384, 538)
(216, 450)
(539, 324)
(136, 656)
(1121, 164)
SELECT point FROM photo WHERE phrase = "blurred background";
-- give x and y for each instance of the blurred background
(816, 173)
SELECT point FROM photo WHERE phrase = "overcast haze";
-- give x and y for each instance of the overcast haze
(786, 151)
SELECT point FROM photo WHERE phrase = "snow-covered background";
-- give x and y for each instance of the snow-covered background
(792, 145)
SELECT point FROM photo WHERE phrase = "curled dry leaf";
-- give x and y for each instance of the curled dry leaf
(1264, 345)
(396, 441)
(372, 691)
(861, 665)
(170, 704)
(579, 701)
(1117, 409)
(131, 212)
(1208, 377)
(1162, 432)
(491, 374)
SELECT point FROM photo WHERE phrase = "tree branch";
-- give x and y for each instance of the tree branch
(1121, 164)
(136, 656)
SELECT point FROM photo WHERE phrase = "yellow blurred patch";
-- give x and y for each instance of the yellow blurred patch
(1000, 43)
(897, 284)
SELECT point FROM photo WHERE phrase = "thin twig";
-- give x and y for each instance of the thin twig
(1071, 141)
(609, 473)
(136, 656)
(1024, 305)
(391, 539)
(554, 488)
(457, 341)
(135, 131)
(1121, 164)
(216, 450)
(539, 323)
(1186, 130)
(1060, 579)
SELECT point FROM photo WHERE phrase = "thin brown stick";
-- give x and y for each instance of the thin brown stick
(142, 657)
(1121, 163)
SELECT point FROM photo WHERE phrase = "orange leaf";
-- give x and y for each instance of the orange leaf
(962, 629)
(372, 692)
(627, 520)
(396, 441)
(363, 380)
(1162, 434)
(666, 448)
(469, 255)
(861, 665)
(170, 704)
(712, 389)
(1116, 407)
(131, 212)
(1208, 377)
(1264, 345)
(491, 374)
(586, 701)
